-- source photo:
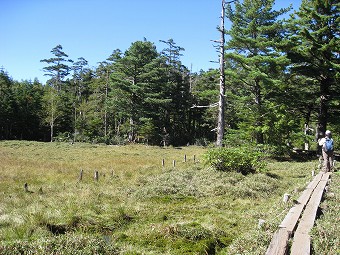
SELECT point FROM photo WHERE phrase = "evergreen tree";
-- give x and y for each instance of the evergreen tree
(26, 116)
(57, 98)
(257, 64)
(6, 105)
(172, 53)
(204, 110)
(102, 89)
(130, 83)
(177, 121)
(313, 47)
(57, 69)
(80, 89)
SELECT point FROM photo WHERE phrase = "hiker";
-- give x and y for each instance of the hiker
(327, 145)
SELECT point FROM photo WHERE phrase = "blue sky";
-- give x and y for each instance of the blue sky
(93, 29)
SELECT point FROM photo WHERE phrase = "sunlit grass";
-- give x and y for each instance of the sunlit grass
(137, 206)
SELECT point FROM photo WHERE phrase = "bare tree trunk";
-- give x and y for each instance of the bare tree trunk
(52, 125)
(221, 102)
(105, 109)
(259, 117)
(306, 133)
(323, 109)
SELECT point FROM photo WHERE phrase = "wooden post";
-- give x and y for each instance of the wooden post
(185, 157)
(261, 223)
(96, 175)
(163, 162)
(194, 158)
(26, 187)
(81, 175)
(286, 197)
(174, 163)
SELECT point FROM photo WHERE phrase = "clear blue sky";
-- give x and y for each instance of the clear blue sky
(94, 28)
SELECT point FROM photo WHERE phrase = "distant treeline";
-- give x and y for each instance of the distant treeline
(282, 82)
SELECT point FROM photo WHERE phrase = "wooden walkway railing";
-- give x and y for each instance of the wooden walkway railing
(299, 220)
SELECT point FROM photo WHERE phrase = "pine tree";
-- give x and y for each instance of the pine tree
(252, 51)
(176, 125)
(129, 82)
(6, 105)
(205, 94)
(57, 69)
(313, 47)
(27, 97)
(80, 89)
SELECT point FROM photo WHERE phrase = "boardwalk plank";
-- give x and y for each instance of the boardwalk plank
(301, 243)
(307, 206)
(292, 217)
(279, 243)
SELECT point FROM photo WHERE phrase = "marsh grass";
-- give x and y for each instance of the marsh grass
(137, 206)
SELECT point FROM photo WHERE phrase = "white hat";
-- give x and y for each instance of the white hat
(328, 133)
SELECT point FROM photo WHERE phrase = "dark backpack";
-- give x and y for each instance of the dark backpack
(328, 145)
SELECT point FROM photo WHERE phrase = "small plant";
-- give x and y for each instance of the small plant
(244, 160)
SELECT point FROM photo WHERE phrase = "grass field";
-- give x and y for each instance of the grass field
(137, 206)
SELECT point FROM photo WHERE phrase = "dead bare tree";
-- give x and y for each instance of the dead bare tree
(221, 101)
(222, 97)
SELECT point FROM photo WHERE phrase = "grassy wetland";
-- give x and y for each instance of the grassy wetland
(137, 205)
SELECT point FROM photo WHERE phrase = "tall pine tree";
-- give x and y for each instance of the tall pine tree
(314, 46)
(57, 69)
(252, 51)
(129, 83)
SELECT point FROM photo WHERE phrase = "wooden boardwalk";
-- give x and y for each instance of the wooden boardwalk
(299, 221)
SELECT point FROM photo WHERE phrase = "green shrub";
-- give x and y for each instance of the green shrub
(274, 151)
(244, 160)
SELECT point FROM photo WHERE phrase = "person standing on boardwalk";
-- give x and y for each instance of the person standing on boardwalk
(327, 145)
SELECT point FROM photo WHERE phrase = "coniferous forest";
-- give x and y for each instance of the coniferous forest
(281, 78)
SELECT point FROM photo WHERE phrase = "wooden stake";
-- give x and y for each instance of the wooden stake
(81, 175)
(174, 163)
(26, 187)
(261, 223)
(96, 175)
(286, 197)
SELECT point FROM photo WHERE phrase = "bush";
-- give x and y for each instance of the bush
(244, 160)
(274, 151)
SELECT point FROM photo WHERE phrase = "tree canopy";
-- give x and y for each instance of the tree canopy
(281, 79)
